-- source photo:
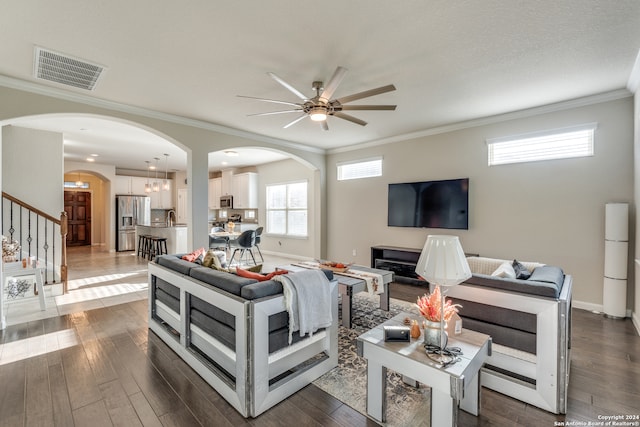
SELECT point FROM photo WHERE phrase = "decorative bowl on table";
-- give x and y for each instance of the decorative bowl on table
(337, 267)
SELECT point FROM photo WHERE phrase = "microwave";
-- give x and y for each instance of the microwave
(226, 202)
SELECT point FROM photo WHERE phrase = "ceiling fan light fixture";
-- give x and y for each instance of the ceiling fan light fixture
(318, 114)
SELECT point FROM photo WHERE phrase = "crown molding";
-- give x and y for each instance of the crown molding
(65, 95)
(550, 108)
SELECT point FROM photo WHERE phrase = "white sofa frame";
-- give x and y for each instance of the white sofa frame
(550, 366)
(251, 364)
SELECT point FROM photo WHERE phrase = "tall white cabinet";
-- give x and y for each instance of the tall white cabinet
(215, 191)
(616, 252)
(245, 190)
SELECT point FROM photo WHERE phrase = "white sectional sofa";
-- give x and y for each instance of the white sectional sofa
(530, 324)
(233, 332)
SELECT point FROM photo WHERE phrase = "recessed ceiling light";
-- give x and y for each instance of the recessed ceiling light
(225, 163)
(94, 155)
(90, 159)
(231, 153)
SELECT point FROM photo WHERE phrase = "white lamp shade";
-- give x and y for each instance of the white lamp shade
(442, 261)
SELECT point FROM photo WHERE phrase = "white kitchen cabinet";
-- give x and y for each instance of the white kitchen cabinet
(122, 185)
(215, 191)
(245, 190)
(227, 182)
(161, 199)
(135, 185)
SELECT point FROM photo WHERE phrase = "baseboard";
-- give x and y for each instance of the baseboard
(285, 255)
(599, 308)
(636, 322)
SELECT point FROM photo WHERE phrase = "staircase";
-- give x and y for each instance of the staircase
(40, 235)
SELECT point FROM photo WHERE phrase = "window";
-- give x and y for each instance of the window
(360, 169)
(74, 184)
(564, 143)
(287, 209)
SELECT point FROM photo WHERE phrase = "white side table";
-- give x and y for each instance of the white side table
(15, 269)
(452, 386)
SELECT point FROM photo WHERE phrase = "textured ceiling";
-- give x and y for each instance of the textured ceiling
(451, 61)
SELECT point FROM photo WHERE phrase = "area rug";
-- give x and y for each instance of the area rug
(406, 405)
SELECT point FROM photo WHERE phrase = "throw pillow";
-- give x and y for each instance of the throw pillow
(505, 271)
(208, 258)
(195, 255)
(258, 276)
(521, 271)
(211, 255)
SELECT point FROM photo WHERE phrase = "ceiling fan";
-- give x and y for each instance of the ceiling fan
(322, 105)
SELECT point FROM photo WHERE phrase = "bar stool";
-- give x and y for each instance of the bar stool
(141, 244)
(160, 246)
(148, 247)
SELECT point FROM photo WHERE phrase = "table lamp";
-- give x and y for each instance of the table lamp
(442, 262)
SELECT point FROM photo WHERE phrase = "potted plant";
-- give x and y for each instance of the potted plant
(431, 309)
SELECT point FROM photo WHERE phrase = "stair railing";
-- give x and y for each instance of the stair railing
(36, 232)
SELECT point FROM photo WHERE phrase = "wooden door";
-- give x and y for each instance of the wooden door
(77, 205)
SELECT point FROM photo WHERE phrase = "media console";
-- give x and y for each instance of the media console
(402, 261)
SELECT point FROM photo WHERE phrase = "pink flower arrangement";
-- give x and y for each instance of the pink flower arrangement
(429, 306)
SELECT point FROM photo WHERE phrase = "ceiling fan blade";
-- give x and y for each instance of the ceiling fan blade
(350, 118)
(324, 125)
(292, 89)
(295, 121)
(366, 93)
(276, 112)
(369, 107)
(333, 83)
(270, 100)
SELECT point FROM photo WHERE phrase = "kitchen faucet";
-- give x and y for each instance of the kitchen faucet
(171, 218)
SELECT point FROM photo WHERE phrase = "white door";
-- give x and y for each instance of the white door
(182, 206)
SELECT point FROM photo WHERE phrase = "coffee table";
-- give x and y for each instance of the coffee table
(451, 386)
(349, 286)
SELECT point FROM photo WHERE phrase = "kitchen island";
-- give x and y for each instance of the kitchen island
(176, 236)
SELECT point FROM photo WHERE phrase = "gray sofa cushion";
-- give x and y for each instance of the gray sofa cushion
(548, 274)
(175, 263)
(261, 289)
(269, 287)
(221, 279)
(167, 293)
(549, 286)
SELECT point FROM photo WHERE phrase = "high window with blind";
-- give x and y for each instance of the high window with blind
(287, 209)
(576, 141)
(360, 169)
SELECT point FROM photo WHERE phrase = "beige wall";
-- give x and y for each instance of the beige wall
(281, 173)
(195, 137)
(30, 159)
(551, 211)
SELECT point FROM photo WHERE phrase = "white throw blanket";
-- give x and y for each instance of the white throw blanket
(307, 298)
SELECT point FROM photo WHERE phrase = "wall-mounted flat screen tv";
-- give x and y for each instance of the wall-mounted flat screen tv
(430, 204)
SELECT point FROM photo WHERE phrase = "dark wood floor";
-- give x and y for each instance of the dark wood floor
(103, 367)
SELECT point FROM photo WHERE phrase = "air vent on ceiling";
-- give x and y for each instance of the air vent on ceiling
(63, 69)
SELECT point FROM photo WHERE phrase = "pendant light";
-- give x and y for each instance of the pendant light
(147, 187)
(79, 182)
(165, 183)
(156, 185)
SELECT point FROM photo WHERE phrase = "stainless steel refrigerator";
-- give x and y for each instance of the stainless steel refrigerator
(130, 211)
